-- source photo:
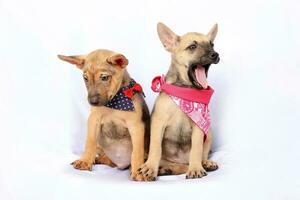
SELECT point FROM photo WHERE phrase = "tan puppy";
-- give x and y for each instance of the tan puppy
(177, 145)
(115, 137)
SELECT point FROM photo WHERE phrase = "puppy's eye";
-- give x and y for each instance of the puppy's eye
(104, 77)
(192, 47)
(85, 78)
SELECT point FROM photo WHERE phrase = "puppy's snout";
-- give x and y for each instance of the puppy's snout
(94, 100)
(213, 55)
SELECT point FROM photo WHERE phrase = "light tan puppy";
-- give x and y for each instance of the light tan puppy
(114, 137)
(176, 144)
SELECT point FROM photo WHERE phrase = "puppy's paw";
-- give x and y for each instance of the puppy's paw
(195, 173)
(148, 172)
(209, 165)
(135, 176)
(82, 165)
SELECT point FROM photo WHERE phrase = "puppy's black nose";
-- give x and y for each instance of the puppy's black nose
(213, 55)
(94, 100)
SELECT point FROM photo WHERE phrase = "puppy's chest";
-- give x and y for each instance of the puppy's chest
(179, 129)
(113, 130)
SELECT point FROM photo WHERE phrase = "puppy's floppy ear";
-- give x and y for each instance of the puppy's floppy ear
(167, 37)
(118, 60)
(75, 60)
(213, 32)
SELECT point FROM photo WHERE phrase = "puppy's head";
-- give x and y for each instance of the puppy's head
(192, 53)
(103, 72)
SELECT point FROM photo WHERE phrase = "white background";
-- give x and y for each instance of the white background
(43, 107)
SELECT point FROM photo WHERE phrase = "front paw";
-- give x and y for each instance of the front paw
(195, 173)
(209, 165)
(148, 171)
(135, 176)
(82, 165)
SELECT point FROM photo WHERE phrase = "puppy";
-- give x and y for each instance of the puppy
(118, 124)
(180, 123)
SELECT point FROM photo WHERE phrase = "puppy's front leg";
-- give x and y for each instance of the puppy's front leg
(149, 169)
(195, 162)
(137, 132)
(208, 165)
(88, 157)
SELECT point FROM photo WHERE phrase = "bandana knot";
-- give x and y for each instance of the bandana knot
(130, 91)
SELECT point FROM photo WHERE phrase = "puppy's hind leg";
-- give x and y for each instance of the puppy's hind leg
(170, 168)
(101, 158)
(208, 165)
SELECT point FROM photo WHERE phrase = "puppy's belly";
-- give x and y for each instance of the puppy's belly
(120, 154)
(116, 144)
(176, 143)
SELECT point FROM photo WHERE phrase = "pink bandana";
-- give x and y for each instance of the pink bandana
(192, 102)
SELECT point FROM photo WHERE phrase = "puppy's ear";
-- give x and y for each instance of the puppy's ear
(75, 60)
(118, 60)
(167, 37)
(213, 33)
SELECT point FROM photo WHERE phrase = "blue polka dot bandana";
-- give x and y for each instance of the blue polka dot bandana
(123, 99)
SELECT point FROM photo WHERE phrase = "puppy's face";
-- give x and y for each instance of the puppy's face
(103, 72)
(192, 53)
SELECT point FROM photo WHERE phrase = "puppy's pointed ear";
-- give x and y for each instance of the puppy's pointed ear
(117, 60)
(75, 60)
(167, 37)
(213, 33)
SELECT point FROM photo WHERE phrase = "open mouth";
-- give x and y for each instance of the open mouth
(198, 75)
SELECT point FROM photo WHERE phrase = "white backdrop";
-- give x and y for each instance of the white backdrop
(255, 108)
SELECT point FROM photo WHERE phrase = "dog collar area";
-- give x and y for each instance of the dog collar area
(189, 94)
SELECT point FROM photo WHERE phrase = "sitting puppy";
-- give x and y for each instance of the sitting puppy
(180, 123)
(118, 125)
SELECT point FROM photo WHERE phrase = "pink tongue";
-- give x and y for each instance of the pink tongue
(201, 77)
